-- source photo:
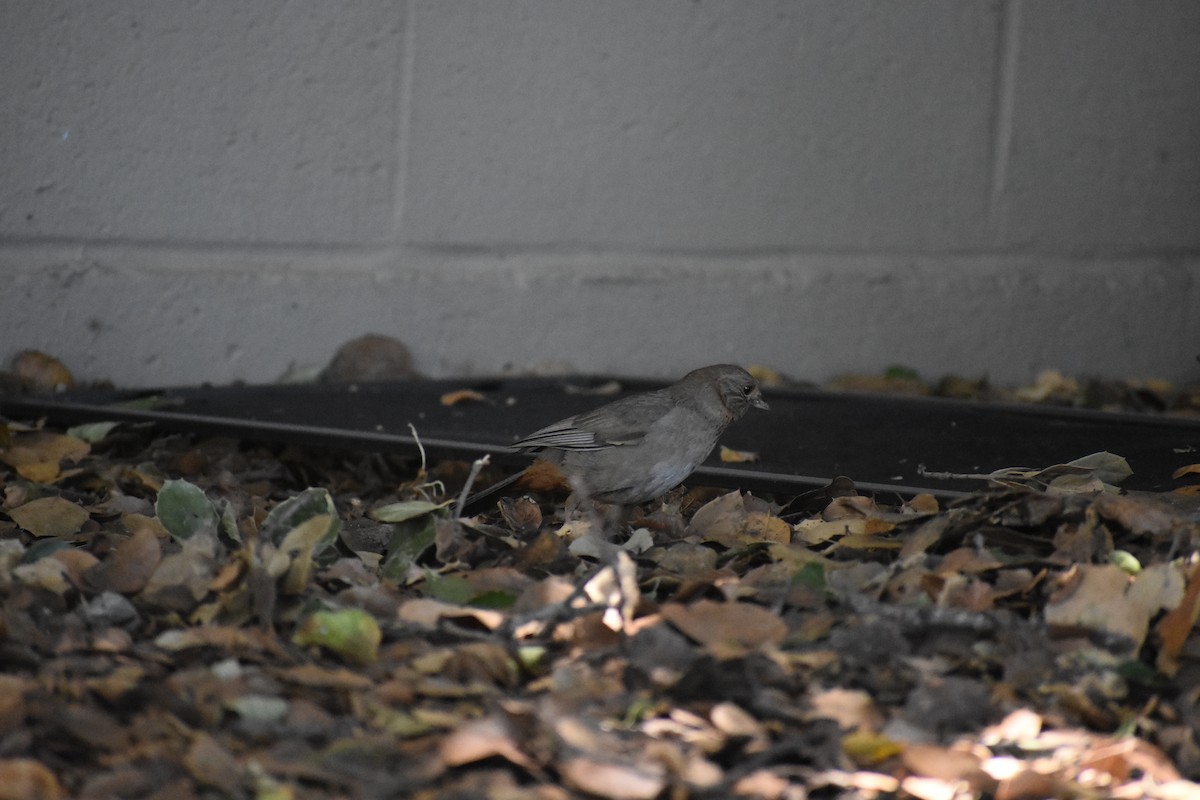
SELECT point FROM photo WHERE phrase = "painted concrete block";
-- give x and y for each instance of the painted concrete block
(269, 122)
(696, 126)
(1105, 149)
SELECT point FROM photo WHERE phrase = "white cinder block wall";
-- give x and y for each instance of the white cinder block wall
(213, 191)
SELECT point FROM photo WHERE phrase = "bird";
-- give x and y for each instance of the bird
(635, 449)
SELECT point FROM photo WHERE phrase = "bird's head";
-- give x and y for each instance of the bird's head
(736, 388)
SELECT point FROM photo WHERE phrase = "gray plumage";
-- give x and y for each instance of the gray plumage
(636, 448)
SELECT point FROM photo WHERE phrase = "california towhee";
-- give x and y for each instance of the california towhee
(634, 449)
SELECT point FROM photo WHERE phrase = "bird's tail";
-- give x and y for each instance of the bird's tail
(541, 476)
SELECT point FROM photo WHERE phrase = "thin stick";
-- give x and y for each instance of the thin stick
(421, 447)
(476, 466)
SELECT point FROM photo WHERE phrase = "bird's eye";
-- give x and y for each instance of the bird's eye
(747, 389)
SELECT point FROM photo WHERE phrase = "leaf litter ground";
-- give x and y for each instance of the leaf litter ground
(189, 617)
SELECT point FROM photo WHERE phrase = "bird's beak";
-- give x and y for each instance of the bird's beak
(756, 400)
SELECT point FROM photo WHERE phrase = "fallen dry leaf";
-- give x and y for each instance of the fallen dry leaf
(712, 653)
(39, 447)
(213, 765)
(729, 456)
(131, 564)
(463, 396)
(50, 516)
(726, 629)
(1103, 597)
(619, 781)
(1178, 624)
(351, 633)
(181, 580)
(27, 779)
(851, 709)
(479, 739)
(427, 613)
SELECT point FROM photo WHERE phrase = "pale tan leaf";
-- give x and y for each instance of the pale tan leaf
(50, 516)
(618, 781)
(1105, 598)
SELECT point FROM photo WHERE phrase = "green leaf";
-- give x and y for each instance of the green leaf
(352, 634)
(409, 540)
(1141, 673)
(811, 576)
(495, 599)
(450, 589)
(294, 511)
(532, 656)
(406, 510)
(399, 723)
(184, 510)
(1126, 561)
(1108, 467)
(92, 432)
(228, 521)
(298, 546)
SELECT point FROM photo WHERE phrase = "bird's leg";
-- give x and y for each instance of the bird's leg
(607, 524)
(616, 516)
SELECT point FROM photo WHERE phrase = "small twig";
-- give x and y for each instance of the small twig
(554, 613)
(476, 467)
(420, 485)
(923, 472)
(417, 438)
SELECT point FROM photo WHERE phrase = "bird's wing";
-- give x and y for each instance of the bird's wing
(621, 422)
